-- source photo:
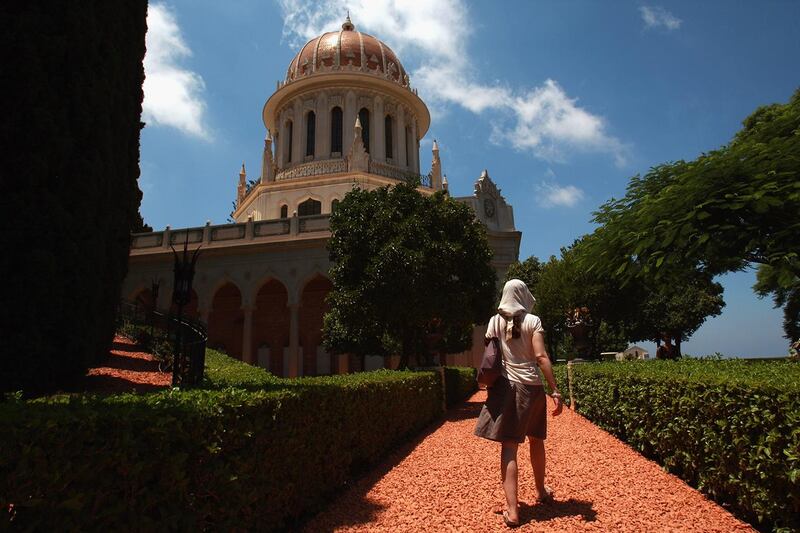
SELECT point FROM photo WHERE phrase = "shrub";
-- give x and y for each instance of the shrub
(729, 428)
(70, 164)
(219, 459)
(459, 384)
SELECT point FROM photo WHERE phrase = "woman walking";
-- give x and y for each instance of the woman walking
(516, 405)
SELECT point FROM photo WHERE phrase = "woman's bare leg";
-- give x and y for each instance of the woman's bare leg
(538, 464)
(508, 473)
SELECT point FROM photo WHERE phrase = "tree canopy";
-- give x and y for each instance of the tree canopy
(411, 274)
(727, 209)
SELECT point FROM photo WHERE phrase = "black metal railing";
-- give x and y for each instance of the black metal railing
(157, 332)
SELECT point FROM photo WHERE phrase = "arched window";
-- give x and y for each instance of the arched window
(334, 205)
(363, 117)
(289, 137)
(387, 128)
(311, 127)
(336, 130)
(309, 207)
(284, 211)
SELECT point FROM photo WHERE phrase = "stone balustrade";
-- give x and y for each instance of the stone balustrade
(314, 226)
(335, 166)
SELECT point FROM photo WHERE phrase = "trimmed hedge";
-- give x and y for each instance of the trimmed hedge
(459, 382)
(729, 428)
(218, 459)
(72, 76)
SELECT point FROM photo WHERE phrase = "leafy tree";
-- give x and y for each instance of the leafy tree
(726, 209)
(529, 271)
(411, 274)
(678, 306)
(784, 293)
(640, 310)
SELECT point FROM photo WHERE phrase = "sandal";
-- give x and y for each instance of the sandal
(549, 496)
(509, 524)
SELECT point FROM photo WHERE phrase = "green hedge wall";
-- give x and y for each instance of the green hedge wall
(218, 459)
(459, 384)
(729, 428)
(72, 75)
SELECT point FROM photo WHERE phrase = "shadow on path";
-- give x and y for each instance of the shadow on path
(541, 512)
(362, 510)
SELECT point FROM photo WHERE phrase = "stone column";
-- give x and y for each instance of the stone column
(297, 138)
(247, 335)
(378, 143)
(280, 141)
(322, 141)
(400, 156)
(294, 340)
(414, 148)
(349, 114)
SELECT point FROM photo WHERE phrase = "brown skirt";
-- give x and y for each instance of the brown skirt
(513, 411)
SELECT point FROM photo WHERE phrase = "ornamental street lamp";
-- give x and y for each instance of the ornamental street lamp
(579, 323)
(155, 285)
(181, 295)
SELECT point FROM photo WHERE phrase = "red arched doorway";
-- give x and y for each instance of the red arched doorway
(271, 327)
(312, 308)
(226, 321)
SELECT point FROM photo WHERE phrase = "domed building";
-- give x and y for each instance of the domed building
(344, 116)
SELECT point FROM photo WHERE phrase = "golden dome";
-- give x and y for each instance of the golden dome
(347, 50)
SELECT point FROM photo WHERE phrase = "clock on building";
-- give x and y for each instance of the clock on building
(488, 207)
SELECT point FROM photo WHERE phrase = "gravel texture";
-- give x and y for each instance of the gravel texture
(449, 480)
(127, 370)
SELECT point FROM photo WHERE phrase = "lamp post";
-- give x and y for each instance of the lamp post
(181, 295)
(155, 285)
(579, 322)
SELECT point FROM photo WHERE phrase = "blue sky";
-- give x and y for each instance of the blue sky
(561, 101)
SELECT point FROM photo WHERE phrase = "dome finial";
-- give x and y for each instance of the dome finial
(348, 25)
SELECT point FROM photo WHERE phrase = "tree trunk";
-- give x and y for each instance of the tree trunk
(678, 345)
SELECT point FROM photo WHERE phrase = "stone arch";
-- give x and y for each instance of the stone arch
(309, 206)
(364, 118)
(226, 320)
(337, 131)
(271, 319)
(289, 128)
(312, 309)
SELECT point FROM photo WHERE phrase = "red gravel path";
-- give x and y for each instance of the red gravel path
(449, 480)
(127, 370)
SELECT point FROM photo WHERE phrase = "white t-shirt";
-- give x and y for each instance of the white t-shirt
(519, 360)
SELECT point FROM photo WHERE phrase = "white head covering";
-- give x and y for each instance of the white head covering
(517, 300)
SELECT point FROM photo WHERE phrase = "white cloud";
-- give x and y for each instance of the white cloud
(543, 120)
(655, 16)
(553, 195)
(173, 95)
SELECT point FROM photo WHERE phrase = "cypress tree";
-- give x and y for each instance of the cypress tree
(72, 74)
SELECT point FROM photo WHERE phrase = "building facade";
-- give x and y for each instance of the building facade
(345, 115)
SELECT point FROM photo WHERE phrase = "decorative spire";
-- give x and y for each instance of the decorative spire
(348, 25)
(358, 159)
(436, 168)
(267, 166)
(444, 183)
(241, 190)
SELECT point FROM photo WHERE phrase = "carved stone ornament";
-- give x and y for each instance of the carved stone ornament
(489, 207)
(485, 186)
